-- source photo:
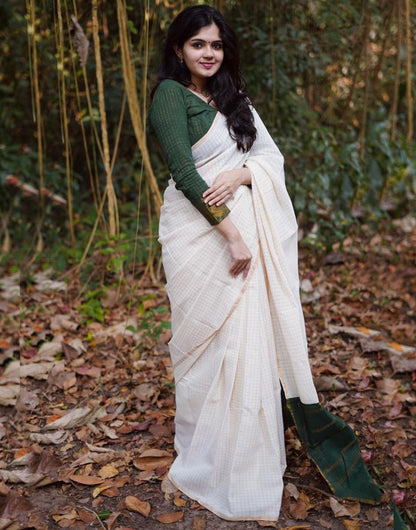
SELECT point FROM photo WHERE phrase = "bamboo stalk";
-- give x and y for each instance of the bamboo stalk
(94, 188)
(4, 232)
(409, 98)
(62, 83)
(134, 106)
(118, 135)
(395, 103)
(35, 76)
(363, 130)
(111, 197)
(37, 116)
(91, 238)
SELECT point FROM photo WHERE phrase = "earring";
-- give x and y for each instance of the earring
(180, 59)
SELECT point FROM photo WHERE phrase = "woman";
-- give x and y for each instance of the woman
(229, 250)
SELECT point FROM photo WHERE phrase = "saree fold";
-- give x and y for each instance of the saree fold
(234, 341)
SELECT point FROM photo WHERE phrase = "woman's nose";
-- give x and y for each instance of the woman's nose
(208, 51)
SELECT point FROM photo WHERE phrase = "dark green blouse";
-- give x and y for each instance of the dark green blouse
(180, 118)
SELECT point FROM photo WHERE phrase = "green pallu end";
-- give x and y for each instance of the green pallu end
(398, 523)
(333, 446)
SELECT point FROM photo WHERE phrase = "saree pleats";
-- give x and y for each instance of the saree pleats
(229, 428)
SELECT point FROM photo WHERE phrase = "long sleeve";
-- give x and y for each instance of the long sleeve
(168, 119)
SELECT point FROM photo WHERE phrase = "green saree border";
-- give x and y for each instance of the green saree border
(333, 447)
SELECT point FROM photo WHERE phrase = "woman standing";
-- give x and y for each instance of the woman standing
(229, 250)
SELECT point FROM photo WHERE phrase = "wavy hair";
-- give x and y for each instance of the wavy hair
(227, 85)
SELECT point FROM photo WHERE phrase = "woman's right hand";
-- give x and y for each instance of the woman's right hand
(241, 256)
(240, 252)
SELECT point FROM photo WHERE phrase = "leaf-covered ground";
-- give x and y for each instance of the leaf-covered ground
(87, 412)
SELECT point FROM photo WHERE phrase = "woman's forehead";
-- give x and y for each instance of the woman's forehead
(207, 33)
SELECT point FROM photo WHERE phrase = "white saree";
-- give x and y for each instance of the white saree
(234, 341)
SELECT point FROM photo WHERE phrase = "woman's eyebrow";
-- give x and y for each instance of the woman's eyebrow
(198, 39)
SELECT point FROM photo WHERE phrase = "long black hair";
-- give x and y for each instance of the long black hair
(227, 85)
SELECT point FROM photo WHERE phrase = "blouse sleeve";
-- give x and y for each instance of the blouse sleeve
(168, 119)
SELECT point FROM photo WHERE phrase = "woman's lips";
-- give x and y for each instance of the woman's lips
(207, 65)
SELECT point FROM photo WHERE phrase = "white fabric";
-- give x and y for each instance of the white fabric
(233, 341)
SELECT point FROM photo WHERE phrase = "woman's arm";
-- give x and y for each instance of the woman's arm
(168, 119)
(240, 253)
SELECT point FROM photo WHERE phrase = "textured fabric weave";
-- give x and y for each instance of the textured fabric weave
(229, 427)
(235, 342)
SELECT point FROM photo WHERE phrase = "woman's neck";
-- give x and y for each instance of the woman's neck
(200, 88)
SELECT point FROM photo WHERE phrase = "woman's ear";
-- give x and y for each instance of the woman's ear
(179, 53)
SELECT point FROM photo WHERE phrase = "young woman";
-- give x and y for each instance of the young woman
(229, 249)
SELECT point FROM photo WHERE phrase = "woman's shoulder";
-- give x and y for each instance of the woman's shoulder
(169, 86)
(169, 100)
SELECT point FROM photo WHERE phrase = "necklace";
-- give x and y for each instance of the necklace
(204, 93)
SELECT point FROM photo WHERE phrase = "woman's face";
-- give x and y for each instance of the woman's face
(203, 54)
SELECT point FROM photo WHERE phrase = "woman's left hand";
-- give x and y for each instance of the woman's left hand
(225, 185)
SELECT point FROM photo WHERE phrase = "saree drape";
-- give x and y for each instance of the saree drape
(234, 341)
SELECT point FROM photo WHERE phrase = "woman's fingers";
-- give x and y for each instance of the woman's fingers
(217, 195)
(241, 255)
(241, 267)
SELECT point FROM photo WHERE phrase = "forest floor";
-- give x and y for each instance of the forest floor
(87, 408)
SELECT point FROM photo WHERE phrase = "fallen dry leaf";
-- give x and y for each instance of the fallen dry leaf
(350, 524)
(145, 391)
(296, 527)
(108, 431)
(100, 489)
(327, 383)
(299, 509)
(111, 521)
(13, 505)
(86, 480)
(347, 509)
(49, 350)
(153, 458)
(398, 496)
(65, 322)
(111, 492)
(179, 501)
(108, 471)
(136, 505)
(292, 490)
(69, 516)
(56, 437)
(9, 394)
(169, 518)
(86, 516)
(198, 523)
(77, 417)
(373, 514)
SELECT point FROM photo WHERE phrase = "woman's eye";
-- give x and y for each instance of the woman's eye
(196, 45)
(217, 46)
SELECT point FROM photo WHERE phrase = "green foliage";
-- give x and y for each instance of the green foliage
(305, 71)
(91, 307)
(150, 325)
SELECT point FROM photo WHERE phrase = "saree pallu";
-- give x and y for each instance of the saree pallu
(235, 342)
